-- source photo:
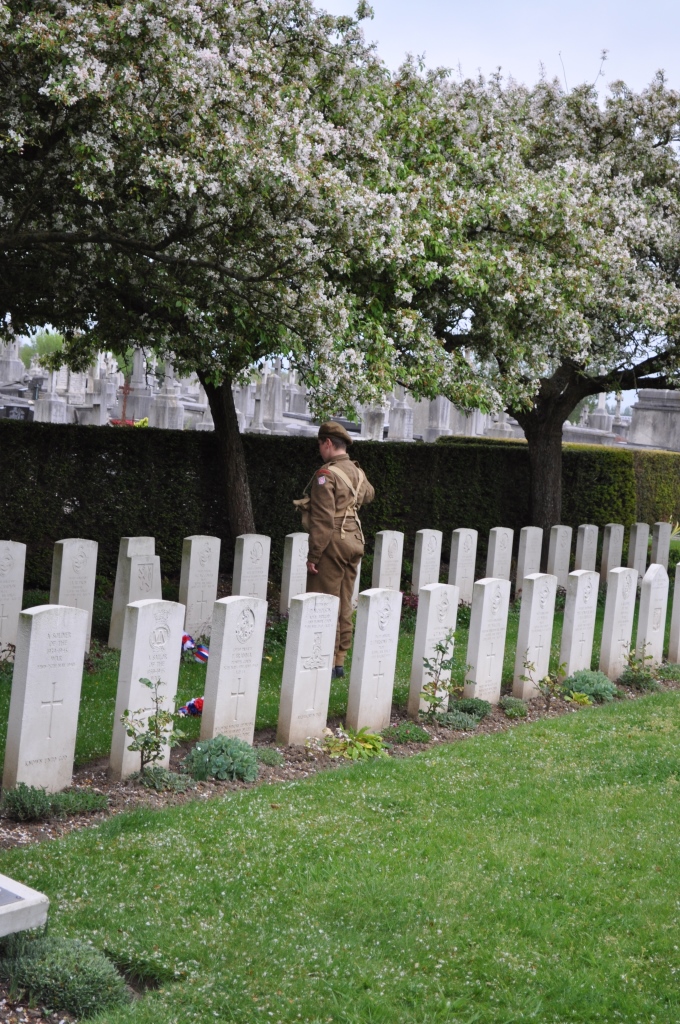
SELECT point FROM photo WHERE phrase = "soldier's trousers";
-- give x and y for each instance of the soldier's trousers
(337, 575)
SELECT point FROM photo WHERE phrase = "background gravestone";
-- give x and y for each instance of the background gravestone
(462, 562)
(233, 675)
(638, 546)
(294, 578)
(486, 639)
(128, 547)
(618, 622)
(374, 658)
(578, 629)
(652, 615)
(534, 637)
(389, 549)
(307, 668)
(586, 547)
(612, 549)
(12, 564)
(427, 558)
(674, 640)
(499, 557)
(559, 554)
(43, 711)
(436, 619)
(251, 565)
(74, 574)
(529, 555)
(661, 544)
(198, 582)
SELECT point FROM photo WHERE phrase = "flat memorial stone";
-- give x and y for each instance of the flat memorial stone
(198, 582)
(462, 562)
(122, 590)
(661, 544)
(651, 628)
(374, 659)
(529, 554)
(612, 549)
(233, 675)
(74, 574)
(499, 556)
(294, 579)
(674, 640)
(638, 547)
(251, 565)
(486, 639)
(12, 565)
(586, 547)
(559, 554)
(21, 908)
(618, 622)
(534, 637)
(43, 709)
(427, 558)
(151, 649)
(436, 619)
(387, 558)
(307, 667)
(578, 630)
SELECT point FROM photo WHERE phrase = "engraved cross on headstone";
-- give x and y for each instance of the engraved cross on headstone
(378, 676)
(52, 704)
(582, 642)
(492, 657)
(238, 692)
(203, 601)
(3, 618)
(539, 646)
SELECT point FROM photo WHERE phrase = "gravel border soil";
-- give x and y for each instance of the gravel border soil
(14, 1012)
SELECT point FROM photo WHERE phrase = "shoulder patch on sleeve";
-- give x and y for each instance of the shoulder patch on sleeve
(321, 479)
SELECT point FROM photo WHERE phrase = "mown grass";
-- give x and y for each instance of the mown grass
(527, 875)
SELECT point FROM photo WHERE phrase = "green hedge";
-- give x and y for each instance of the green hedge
(70, 481)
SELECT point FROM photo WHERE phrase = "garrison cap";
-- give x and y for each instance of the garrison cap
(334, 430)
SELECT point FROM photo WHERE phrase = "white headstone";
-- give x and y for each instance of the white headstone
(357, 587)
(122, 590)
(559, 554)
(74, 574)
(661, 544)
(198, 582)
(638, 547)
(534, 637)
(251, 565)
(529, 554)
(612, 549)
(294, 579)
(618, 621)
(674, 640)
(151, 649)
(499, 556)
(307, 667)
(233, 676)
(389, 549)
(43, 710)
(651, 629)
(374, 659)
(578, 629)
(427, 558)
(462, 562)
(486, 639)
(436, 619)
(12, 565)
(586, 547)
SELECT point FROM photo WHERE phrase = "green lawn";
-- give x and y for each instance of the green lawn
(531, 875)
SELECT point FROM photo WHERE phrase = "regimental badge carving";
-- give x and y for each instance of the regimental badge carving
(245, 625)
(496, 601)
(384, 613)
(302, 552)
(443, 607)
(79, 563)
(204, 556)
(587, 590)
(145, 576)
(627, 586)
(545, 595)
(656, 622)
(6, 562)
(256, 552)
(467, 543)
(431, 544)
(503, 542)
(316, 660)
(159, 635)
(392, 549)
(564, 539)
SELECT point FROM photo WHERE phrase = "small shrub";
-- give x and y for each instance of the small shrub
(638, 674)
(270, 756)
(463, 617)
(161, 779)
(406, 732)
(579, 698)
(28, 803)
(513, 707)
(64, 974)
(78, 801)
(479, 709)
(354, 746)
(222, 757)
(594, 684)
(668, 673)
(459, 720)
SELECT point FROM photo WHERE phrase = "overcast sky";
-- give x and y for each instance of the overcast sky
(640, 35)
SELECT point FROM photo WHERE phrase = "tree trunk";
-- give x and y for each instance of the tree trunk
(232, 456)
(545, 466)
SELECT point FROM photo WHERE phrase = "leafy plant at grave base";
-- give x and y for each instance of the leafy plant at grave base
(551, 685)
(95, 656)
(638, 674)
(513, 707)
(474, 706)
(222, 757)
(409, 616)
(464, 613)
(354, 746)
(668, 673)
(406, 732)
(67, 975)
(456, 719)
(436, 691)
(595, 685)
(270, 756)
(30, 803)
(150, 733)
(7, 652)
(579, 698)
(275, 636)
(162, 780)
(560, 599)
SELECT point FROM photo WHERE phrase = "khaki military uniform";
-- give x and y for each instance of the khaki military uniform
(336, 543)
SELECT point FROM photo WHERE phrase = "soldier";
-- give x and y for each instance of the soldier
(336, 542)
